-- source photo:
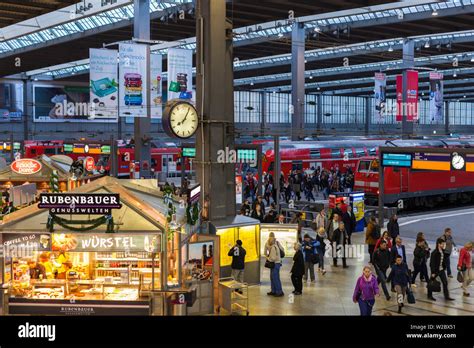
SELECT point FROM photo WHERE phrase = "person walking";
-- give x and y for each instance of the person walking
(321, 237)
(400, 279)
(340, 239)
(398, 249)
(349, 222)
(365, 291)
(238, 261)
(310, 255)
(298, 270)
(257, 213)
(421, 255)
(385, 237)
(465, 266)
(273, 252)
(393, 227)
(438, 269)
(321, 220)
(333, 225)
(372, 234)
(448, 238)
(381, 262)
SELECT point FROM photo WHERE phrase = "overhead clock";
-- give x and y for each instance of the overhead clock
(457, 161)
(180, 119)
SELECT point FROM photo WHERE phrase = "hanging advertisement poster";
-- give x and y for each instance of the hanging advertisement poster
(410, 107)
(103, 83)
(11, 102)
(180, 74)
(379, 94)
(55, 103)
(156, 71)
(436, 97)
(133, 63)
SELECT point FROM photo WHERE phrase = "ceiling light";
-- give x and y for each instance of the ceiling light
(434, 132)
(455, 74)
(251, 83)
(280, 35)
(390, 48)
(318, 88)
(434, 13)
(35, 79)
(274, 92)
(427, 44)
(472, 60)
(310, 77)
(464, 96)
(317, 29)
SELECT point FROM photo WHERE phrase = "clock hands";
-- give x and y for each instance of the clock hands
(184, 119)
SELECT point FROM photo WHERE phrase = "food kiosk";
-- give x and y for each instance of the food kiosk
(108, 256)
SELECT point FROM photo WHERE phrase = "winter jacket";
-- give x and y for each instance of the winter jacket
(435, 262)
(394, 254)
(339, 235)
(389, 244)
(465, 258)
(298, 264)
(369, 239)
(238, 257)
(255, 215)
(449, 244)
(399, 275)
(365, 289)
(381, 259)
(312, 244)
(393, 228)
(421, 254)
(349, 222)
(274, 253)
(322, 245)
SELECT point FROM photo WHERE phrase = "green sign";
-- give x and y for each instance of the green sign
(189, 152)
(105, 149)
(68, 147)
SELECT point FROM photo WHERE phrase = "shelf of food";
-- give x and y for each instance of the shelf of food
(122, 259)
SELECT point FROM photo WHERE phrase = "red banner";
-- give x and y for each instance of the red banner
(410, 107)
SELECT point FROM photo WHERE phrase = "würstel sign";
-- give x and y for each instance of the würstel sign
(80, 203)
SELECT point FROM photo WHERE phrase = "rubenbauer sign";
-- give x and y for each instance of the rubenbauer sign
(80, 203)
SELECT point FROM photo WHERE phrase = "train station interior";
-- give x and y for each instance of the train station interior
(237, 157)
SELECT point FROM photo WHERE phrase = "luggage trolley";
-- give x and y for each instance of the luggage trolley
(231, 300)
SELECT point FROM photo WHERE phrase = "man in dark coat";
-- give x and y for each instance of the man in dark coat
(438, 269)
(238, 261)
(393, 228)
(349, 222)
(297, 270)
(340, 238)
(381, 261)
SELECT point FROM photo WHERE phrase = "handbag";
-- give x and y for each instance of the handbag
(460, 277)
(269, 264)
(410, 296)
(434, 285)
(314, 259)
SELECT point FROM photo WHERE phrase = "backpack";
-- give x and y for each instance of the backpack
(282, 252)
(376, 232)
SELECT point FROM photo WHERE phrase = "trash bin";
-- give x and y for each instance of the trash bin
(178, 309)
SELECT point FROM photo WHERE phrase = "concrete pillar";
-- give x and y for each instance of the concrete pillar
(215, 104)
(297, 80)
(142, 125)
(408, 63)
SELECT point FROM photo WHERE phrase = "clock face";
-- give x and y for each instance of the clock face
(183, 120)
(457, 161)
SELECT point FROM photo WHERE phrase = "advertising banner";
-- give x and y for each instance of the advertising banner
(436, 97)
(26, 166)
(180, 74)
(410, 107)
(25, 244)
(156, 71)
(80, 203)
(103, 83)
(133, 63)
(11, 102)
(106, 242)
(379, 94)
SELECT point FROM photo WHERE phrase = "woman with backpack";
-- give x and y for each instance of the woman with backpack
(421, 255)
(372, 234)
(365, 291)
(274, 254)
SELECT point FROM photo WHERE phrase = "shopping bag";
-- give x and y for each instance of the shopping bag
(434, 285)
(460, 277)
(410, 296)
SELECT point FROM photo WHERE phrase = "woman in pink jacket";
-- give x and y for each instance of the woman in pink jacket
(365, 291)
(465, 266)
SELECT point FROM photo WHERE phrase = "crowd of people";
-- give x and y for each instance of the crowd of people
(298, 184)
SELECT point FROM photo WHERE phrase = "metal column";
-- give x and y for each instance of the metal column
(319, 108)
(263, 113)
(142, 125)
(408, 63)
(297, 80)
(381, 190)
(367, 115)
(215, 104)
(27, 100)
(446, 117)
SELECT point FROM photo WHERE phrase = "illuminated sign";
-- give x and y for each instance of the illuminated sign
(189, 152)
(194, 194)
(431, 161)
(80, 203)
(26, 166)
(396, 160)
(89, 164)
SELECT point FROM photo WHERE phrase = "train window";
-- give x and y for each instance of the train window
(348, 153)
(364, 166)
(373, 151)
(297, 165)
(50, 151)
(360, 152)
(336, 153)
(313, 153)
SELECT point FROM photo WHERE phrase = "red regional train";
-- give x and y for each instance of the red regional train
(414, 187)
